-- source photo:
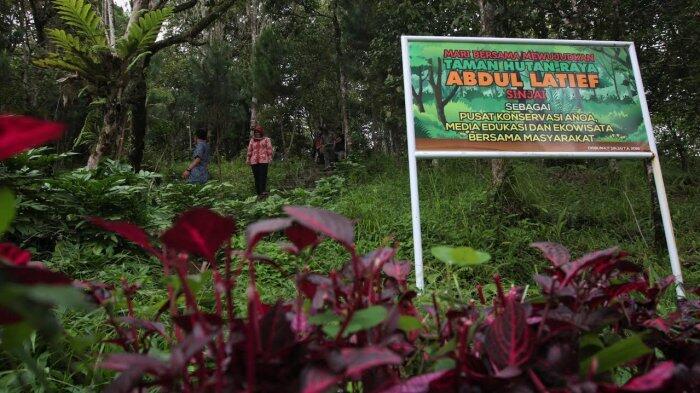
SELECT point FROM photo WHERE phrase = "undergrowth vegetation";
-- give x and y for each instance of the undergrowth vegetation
(153, 313)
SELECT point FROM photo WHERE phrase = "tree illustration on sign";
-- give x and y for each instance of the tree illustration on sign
(418, 94)
(435, 80)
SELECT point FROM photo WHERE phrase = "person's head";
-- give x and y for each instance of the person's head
(258, 131)
(201, 134)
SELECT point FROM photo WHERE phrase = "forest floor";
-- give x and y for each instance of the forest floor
(584, 205)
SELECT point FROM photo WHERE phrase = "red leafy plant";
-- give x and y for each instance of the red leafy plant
(346, 327)
(593, 315)
(28, 290)
(357, 328)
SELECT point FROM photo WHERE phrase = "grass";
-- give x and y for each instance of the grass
(582, 204)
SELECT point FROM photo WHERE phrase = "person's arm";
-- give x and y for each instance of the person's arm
(269, 148)
(193, 164)
(250, 152)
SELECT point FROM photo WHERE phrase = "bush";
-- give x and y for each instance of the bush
(594, 320)
(594, 323)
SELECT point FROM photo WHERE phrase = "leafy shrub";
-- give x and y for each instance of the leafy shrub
(358, 329)
(593, 325)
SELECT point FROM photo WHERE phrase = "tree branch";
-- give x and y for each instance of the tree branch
(450, 96)
(214, 13)
(184, 6)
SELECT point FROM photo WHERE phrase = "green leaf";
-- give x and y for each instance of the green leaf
(590, 340)
(622, 352)
(82, 18)
(447, 348)
(331, 329)
(409, 323)
(7, 209)
(321, 319)
(142, 34)
(365, 319)
(15, 335)
(60, 295)
(444, 364)
(460, 256)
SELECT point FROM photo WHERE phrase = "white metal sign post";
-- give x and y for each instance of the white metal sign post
(444, 150)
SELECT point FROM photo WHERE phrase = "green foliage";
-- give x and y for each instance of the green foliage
(143, 33)
(617, 354)
(460, 256)
(80, 16)
(268, 68)
(7, 209)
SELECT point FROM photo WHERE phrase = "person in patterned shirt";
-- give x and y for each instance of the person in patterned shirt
(259, 157)
(196, 172)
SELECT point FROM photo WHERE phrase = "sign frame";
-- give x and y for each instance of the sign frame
(413, 155)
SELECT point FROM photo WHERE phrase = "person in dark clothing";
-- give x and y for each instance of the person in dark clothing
(259, 157)
(196, 172)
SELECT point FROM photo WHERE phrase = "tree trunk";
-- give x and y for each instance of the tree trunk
(418, 95)
(40, 18)
(435, 80)
(254, 31)
(342, 82)
(112, 121)
(136, 6)
(139, 120)
(108, 20)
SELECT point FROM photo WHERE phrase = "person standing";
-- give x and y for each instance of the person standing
(259, 157)
(196, 172)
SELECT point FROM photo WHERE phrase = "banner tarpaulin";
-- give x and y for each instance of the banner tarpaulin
(512, 96)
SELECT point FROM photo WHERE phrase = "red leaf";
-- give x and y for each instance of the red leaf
(508, 337)
(653, 380)
(593, 258)
(316, 287)
(397, 270)
(554, 252)
(328, 223)
(658, 324)
(199, 231)
(190, 346)
(207, 322)
(20, 133)
(29, 275)
(377, 258)
(354, 361)
(257, 230)
(417, 384)
(14, 255)
(276, 336)
(8, 317)
(126, 230)
(317, 380)
(621, 289)
(301, 236)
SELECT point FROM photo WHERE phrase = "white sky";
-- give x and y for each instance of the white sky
(124, 4)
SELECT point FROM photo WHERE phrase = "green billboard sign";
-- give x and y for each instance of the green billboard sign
(521, 96)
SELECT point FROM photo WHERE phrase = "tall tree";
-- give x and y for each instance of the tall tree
(113, 75)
